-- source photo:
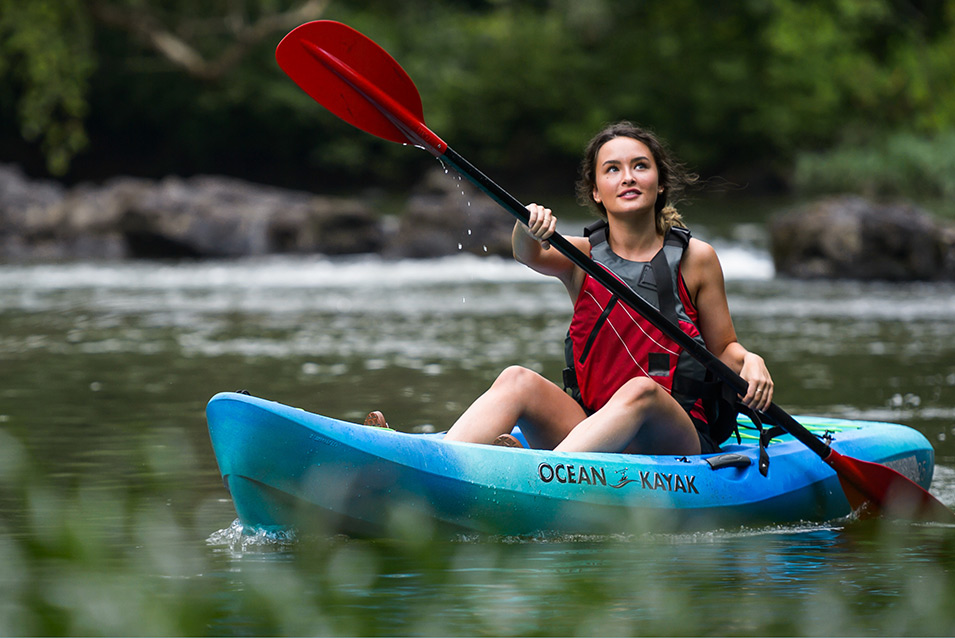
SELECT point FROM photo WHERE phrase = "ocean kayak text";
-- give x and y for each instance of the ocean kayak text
(596, 476)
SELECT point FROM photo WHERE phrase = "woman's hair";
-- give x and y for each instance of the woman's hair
(673, 176)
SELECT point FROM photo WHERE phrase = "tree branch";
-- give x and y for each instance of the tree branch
(181, 53)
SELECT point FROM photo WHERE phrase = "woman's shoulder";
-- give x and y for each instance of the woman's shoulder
(700, 263)
(699, 250)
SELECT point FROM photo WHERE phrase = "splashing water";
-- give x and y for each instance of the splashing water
(241, 539)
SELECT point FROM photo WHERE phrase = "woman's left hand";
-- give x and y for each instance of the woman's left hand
(759, 394)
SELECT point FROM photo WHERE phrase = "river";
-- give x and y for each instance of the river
(114, 520)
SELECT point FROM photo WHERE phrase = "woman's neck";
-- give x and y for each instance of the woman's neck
(634, 240)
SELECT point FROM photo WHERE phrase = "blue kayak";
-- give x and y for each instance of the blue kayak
(287, 468)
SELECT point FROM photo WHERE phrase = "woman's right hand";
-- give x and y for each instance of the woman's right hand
(530, 242)
(541, 224)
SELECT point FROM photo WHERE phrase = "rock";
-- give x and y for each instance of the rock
(210, 216)
(19, 194)
(340, 226)
(205, 216)
(850, 237)
(447, 215)
(22, 200)
(90, 218)
(216, 216)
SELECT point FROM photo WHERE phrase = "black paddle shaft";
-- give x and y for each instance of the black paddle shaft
(635, 301)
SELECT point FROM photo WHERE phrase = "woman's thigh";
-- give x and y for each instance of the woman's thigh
(640, 418)
(549, 414)
(666, 428)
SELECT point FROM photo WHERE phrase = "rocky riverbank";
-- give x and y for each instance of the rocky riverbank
(215, 216)
(850, 237)
(221, 217)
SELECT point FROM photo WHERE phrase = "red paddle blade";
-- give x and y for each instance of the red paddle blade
(357, 80)
(876, 489)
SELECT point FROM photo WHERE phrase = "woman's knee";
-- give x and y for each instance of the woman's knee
(517, 379)
(639, 391)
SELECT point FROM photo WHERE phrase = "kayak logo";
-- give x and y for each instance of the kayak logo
(571, 474)
(592, 475)
(662, 481)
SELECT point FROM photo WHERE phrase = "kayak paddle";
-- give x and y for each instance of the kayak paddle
(361, 83)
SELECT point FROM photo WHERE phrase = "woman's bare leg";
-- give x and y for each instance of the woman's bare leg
(549, 413)
(640, 418)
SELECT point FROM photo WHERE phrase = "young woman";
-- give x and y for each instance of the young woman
(639, 392)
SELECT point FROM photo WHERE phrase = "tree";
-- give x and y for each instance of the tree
(47, 52)
(46, 55)
(205, 46)
(183, 86)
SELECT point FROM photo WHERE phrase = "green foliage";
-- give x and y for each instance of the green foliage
(519, 86)
(817, 58)
(901, 165)
(47, 58)
(859, 65)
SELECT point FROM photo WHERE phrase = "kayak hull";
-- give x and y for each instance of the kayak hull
(289, 468)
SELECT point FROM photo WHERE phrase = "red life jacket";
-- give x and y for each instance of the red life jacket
(610, 343)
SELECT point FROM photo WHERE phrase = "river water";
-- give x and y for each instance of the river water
(114, 520)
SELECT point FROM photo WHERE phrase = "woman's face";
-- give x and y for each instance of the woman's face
(626, 177)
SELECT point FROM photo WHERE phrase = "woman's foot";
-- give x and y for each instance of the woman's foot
(506, 440)
(377, 420)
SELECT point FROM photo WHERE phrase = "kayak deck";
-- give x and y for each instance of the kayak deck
(289, 468)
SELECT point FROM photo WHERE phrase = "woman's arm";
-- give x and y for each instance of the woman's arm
(531, 248)
(704, 279)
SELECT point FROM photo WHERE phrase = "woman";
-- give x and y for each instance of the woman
(639, 392)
